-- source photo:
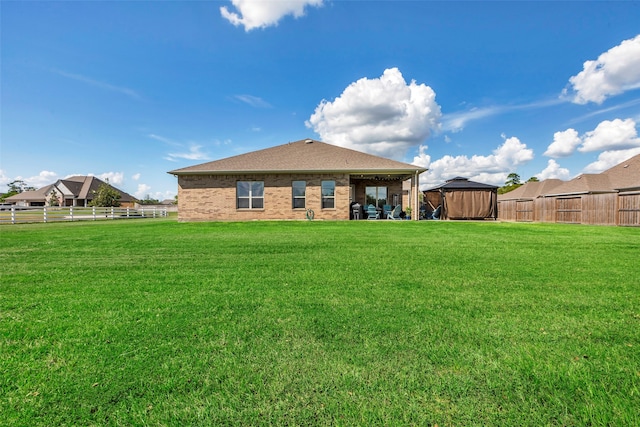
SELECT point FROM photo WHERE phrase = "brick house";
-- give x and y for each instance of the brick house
(72, 191)
(286, 181)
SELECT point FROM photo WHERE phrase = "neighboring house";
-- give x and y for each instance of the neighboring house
(608, 198)
(72, 191)
(286, 181)
(460, 198)
(519, 204)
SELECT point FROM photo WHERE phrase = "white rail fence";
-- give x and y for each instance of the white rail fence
(20, 214)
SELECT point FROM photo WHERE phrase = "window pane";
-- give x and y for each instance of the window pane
(328, 188)
(243, 189)
(382, 196)
(371, 198)
(257, 203)
(298, 203)
(243, 203)
(257, 189)
(328, 203)
(299, 188)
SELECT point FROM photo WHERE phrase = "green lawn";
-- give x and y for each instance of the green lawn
(154, 322)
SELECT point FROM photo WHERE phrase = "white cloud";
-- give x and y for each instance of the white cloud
(564, 143)
(491, 169)
(135, 177)
(102, 85)
(422, 159)
(165, 140)
(383, 116)
(40, 180)
(253, 101)
(455, 122)
(608, 159)
(615, 71)
(194, 153)
(553, 170)
(4, 180)
(114, 178)
(142, 191)
(611, 135)
(261, 14)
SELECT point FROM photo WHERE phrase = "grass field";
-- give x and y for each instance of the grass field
(154, 322)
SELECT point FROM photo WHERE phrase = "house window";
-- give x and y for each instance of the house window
(250, 194)
(376, 196)
(299, 190)
(328, 194)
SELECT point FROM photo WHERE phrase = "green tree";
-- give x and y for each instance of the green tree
(16, 187)
(106, 196)
(149, 201)
(54, 200)
(533, 179)
(513, 179)
(513, 182)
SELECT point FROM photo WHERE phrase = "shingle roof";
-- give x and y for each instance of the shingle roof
(460, 183)
(301, 156)
(626, 175)
(531, 190)
(38, 195)
(82, 187)
(583, 184)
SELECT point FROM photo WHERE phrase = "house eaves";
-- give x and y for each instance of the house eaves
(367, 172)
(304, 156)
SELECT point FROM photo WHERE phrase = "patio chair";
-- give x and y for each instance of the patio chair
(436, 213)
(355, 210)
(395, 213)
(372, 212)
(386, 210)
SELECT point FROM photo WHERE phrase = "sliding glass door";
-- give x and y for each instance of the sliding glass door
(376, 196)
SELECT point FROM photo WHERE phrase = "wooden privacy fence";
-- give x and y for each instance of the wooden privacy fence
(19, 214)
(595, 209)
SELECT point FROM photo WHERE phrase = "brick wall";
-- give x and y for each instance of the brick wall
(213, 197)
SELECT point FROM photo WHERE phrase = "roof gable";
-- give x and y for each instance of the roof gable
(300, 156)
(625, 175)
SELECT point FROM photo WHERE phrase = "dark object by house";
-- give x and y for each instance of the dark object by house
(460, 198)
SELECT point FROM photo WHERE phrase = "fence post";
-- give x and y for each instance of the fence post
(93, 212)
(71, 212)
(112, 216)
(127, 212)
(154, 211)
(44, 213)
(13, 214)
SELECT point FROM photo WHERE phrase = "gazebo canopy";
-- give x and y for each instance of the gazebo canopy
(461, 198)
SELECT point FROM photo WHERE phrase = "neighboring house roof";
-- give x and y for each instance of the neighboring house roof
(626, 175)
(304, 156)
(77, 187)
(84, 187)
(584, 184)
(461, 183)
(30, 196)
(531, 190)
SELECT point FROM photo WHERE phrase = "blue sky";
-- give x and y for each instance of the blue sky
(129, 90)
